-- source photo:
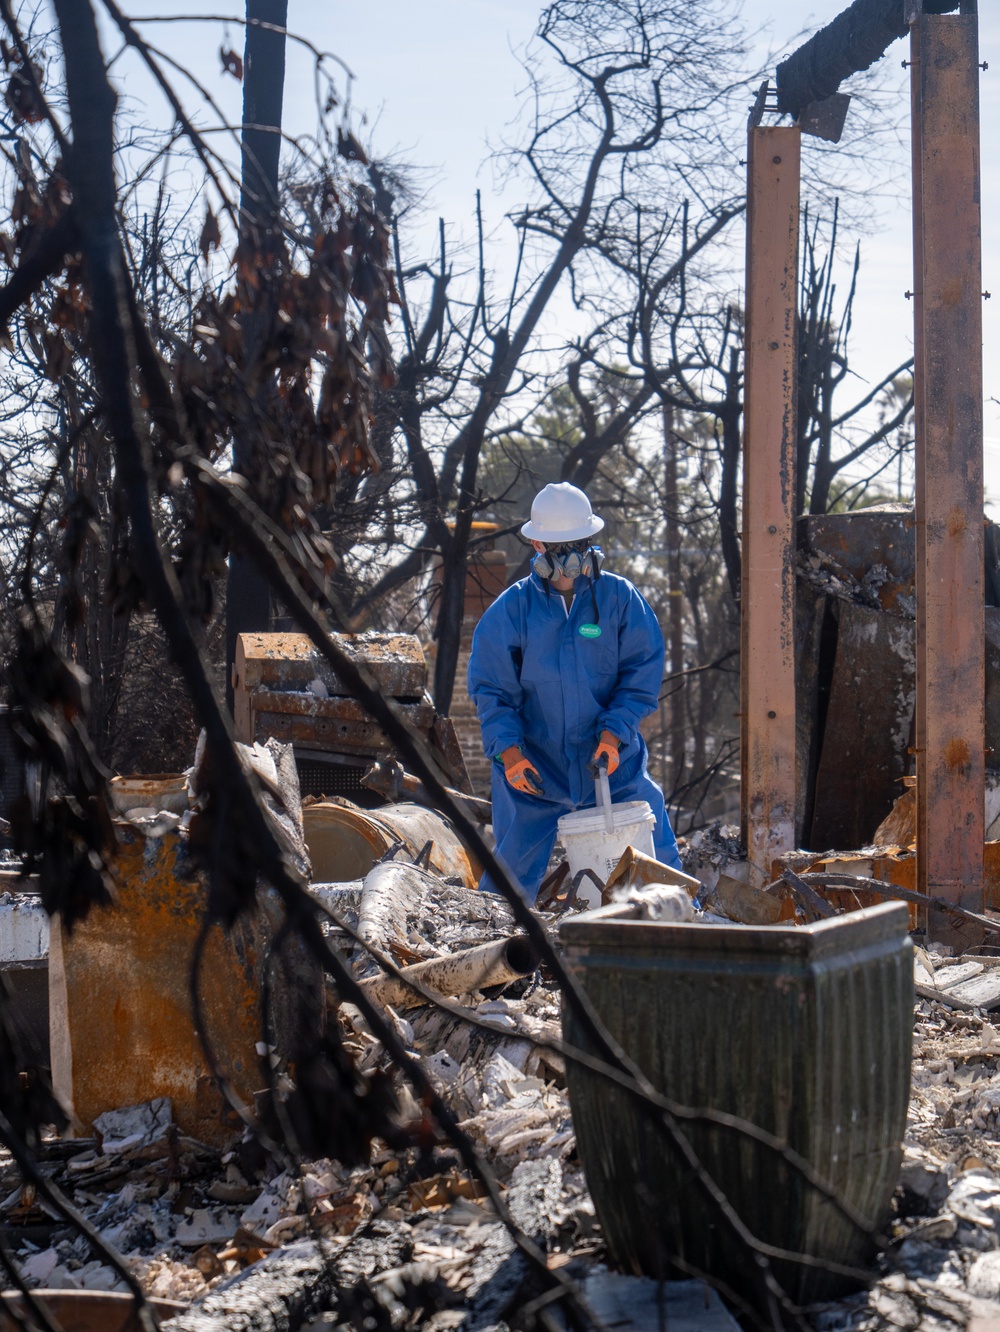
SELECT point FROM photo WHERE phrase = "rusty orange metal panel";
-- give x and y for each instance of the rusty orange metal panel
(893, 866)
(950, 721)
(305, 704)
(991, 876)
(768, 589)
(122, 1028)
(889, 866)
(325, 734)
(340, 724)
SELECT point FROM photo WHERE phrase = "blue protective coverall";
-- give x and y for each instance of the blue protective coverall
(543, 679)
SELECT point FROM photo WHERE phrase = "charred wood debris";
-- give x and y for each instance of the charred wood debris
(250, 1236)
(401, 1233)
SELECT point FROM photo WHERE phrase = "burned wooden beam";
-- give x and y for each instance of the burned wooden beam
(948, 401)
(853, 41)
(767, 604)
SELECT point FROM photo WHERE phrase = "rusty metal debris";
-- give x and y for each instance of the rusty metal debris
(396, 1231)
(388, 778)
(635, 870)
(219, 1226)
(123, 1026)
(206, 1220)
(164, 1027)
(283, 687)
(86, 1310)
(345, 841)
(191, 1218)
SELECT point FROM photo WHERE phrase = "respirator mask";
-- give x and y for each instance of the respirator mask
(570, 559)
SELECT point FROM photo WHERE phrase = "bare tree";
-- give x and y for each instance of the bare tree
(832, 439)
(619, 92)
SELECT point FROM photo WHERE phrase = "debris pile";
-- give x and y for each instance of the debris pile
(188, 1218)
(943, 1269)
(410, 1238)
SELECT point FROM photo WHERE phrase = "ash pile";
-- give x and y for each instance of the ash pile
(409, 1233)
(395, 1227)
(368, 1210)
(942, 1270)
(408, 1225)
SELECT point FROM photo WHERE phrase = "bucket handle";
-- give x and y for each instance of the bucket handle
(578, 878)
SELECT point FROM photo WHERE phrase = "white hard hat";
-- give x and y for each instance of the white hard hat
(560, 513)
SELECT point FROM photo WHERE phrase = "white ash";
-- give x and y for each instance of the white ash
(402, 905)
(946, 1233)
(943, 1270)
(712, 851)
(135, 1126)
(657, 901)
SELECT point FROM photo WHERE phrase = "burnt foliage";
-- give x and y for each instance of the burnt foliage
(283, 355)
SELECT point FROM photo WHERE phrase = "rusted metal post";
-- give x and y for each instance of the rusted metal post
(948, 395)
(767, 603)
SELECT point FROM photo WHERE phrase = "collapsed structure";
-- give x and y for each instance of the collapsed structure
(179, 1048)
(948, 395)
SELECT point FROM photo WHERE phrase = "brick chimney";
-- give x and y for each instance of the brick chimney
(485, 578)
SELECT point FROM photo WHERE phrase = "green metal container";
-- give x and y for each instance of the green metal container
(804, 1031)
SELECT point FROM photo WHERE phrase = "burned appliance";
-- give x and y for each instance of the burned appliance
(283, 687)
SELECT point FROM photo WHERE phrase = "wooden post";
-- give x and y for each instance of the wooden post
(767, 669)
(948, 392)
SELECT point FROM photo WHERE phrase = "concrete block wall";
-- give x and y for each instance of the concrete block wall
(463, 714)
(486, 578)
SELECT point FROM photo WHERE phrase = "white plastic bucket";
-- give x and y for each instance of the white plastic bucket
(590, 846)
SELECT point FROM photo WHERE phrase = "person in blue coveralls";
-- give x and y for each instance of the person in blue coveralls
(564, 666)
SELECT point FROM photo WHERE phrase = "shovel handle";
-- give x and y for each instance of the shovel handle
(604, 787)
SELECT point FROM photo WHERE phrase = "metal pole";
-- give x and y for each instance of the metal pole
(248, 596)
(675, 638)
(767, 672)
(948, 392)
